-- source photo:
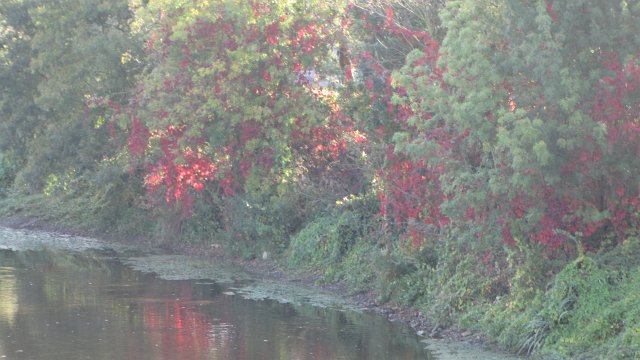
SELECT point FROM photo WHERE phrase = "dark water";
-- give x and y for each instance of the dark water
(72, 302)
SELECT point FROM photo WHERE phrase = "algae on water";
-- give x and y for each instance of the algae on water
(182, 267)
(293, 294)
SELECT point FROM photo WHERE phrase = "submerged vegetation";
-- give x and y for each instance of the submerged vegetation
(475, 160)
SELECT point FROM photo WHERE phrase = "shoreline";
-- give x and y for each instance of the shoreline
(271, 270)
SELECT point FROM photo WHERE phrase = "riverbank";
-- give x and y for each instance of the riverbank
(272, 270)
(524, 302)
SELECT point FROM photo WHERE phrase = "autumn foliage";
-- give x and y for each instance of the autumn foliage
(452, 150)
(238, 99)
(243, 97)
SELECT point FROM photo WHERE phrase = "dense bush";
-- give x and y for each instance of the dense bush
(7, 173)
(475, 159)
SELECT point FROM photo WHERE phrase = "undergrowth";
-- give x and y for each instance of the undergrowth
(588, 308)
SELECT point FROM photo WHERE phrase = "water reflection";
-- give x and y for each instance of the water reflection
(8, 298)
(65, 305)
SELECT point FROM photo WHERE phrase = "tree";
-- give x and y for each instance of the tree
(19, 115)
(238, 100)
(76, 56)
(538, 101)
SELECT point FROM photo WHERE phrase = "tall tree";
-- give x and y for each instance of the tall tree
(239, 95)
(538, 106)
(83, 55)
(19, 115)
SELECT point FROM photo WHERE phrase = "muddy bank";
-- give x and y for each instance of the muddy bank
(268, 269)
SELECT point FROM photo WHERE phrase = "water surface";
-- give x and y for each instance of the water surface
(76, 298)
(71, 298)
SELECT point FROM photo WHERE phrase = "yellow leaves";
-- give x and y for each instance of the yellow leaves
(155, 178)
(201, 8)
(100, 121)
(125, 58)
(328, 95)
(349, 198)
(203, 4)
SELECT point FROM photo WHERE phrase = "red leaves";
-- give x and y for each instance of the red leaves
(228, 184)
(176, 177)
(307, 38)
(249, 130)
(405, 34)
(549, 235)
(272, 33)
(369, 84)
(552, 13)
(615, 104)
(275, 53)
(507, 236)
(224, 143)
(389, 17)
(412, 194)
(138, 136)
(322, 145)
(348, 74)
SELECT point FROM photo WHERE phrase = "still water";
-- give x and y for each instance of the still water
(76, 298)
(72, 298)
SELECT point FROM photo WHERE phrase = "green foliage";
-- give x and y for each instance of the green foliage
(339, 243)
(20, 116)
(8, 169)
(501, 154)
(79, 53)
(518, 124)
(588, 311)
(63, 62)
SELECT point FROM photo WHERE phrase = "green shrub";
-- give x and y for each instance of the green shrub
(8, 169)
(588, 312)
(342, 244)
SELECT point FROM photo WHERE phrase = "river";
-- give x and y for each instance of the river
(71, 298)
